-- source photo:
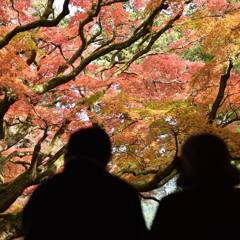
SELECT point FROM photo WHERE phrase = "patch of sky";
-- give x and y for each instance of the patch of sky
(96, 107)
(149, 206)
(170, 120)
(163, 136)
(65, 105)
(75, 89)
(121, 118)
(111, 131)
(115, 86)
(162, 151)
(82, 116)
(120, 149)
(73, 9)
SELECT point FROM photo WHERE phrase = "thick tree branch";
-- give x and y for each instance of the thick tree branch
(55, 157)
(139, 32)
(48, 9)
(222, 86)
(23, 130)
(160, 176)
(5, 104)
(10, 191)
(153, 39)
(39, 23)
(10, 156)
(113, 1)
(137, 172)
(22, 163)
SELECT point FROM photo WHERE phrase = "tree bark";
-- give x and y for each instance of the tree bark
(5, 104)
(223, 84)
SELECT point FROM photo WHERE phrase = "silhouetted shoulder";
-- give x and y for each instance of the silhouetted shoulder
(198, 214)
(39, 201)
(85, 200)
(121, 184)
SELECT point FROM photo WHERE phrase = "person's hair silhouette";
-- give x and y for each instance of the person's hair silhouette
(84, 200)
(205, 159)
(208, 204)
(89, 144)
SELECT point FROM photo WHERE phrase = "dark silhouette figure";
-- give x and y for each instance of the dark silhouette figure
(208, 205)
(84, 201)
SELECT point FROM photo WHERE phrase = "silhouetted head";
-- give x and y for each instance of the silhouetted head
(205, 160)
(89, 144)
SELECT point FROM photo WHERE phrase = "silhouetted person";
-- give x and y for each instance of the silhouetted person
(84, 201)
(208, 206)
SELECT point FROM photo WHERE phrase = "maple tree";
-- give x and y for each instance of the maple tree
(150, 72)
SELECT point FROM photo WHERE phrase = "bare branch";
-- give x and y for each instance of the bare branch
(160, 177)
(22, 163)
(36, 152)
(113, 1)
(94, 11)
(153, 39)
(60, 131)
(139, 32)
(16, 10)
(149, 197)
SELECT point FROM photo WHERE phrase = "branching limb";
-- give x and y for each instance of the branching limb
(153, 39)
(38, 23)
(48, 10)
(16, 10)
(170, 170)
(22, 163)
(92, 13)
(140, 32)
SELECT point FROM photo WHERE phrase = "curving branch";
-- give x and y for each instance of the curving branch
(137, 172)
(94, 11)
(161, 176)
(153, 39)
(38, 23)
(149, 197)
(143, 29)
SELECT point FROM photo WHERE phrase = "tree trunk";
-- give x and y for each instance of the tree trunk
(9, 192)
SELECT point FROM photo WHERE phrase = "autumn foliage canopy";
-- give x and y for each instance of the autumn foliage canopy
(150, 72)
